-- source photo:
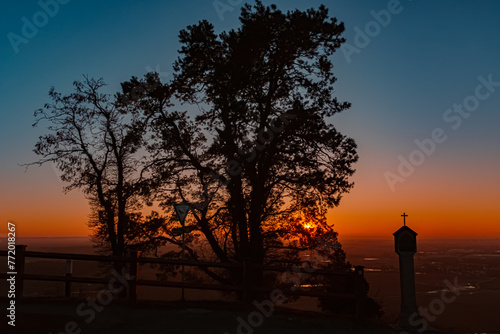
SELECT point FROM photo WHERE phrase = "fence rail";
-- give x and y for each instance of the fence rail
(134, 281)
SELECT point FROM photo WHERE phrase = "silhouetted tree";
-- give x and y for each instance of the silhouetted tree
(95, 145)
(261, 155)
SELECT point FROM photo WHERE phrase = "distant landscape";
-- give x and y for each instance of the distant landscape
(473, 263)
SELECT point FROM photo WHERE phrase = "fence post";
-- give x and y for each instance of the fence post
(360, 291)
(132, 277)
(69, 273)
(20, 260)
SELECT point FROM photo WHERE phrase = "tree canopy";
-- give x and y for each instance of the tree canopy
(260, 157)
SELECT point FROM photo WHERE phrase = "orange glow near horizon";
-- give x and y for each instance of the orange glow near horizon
(71, 220)
(437, 206)
(346, 223)
(67, 217)
(445, 211)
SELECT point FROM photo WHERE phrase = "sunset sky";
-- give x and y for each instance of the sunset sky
(406, 76)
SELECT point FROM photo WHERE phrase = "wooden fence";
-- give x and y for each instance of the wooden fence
(133, 280)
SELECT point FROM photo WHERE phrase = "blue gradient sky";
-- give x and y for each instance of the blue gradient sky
(426, 59)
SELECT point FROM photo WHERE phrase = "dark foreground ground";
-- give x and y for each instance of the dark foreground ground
(44, 316)
(473, 264)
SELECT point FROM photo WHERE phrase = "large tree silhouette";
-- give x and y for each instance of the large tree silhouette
(261, 157)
